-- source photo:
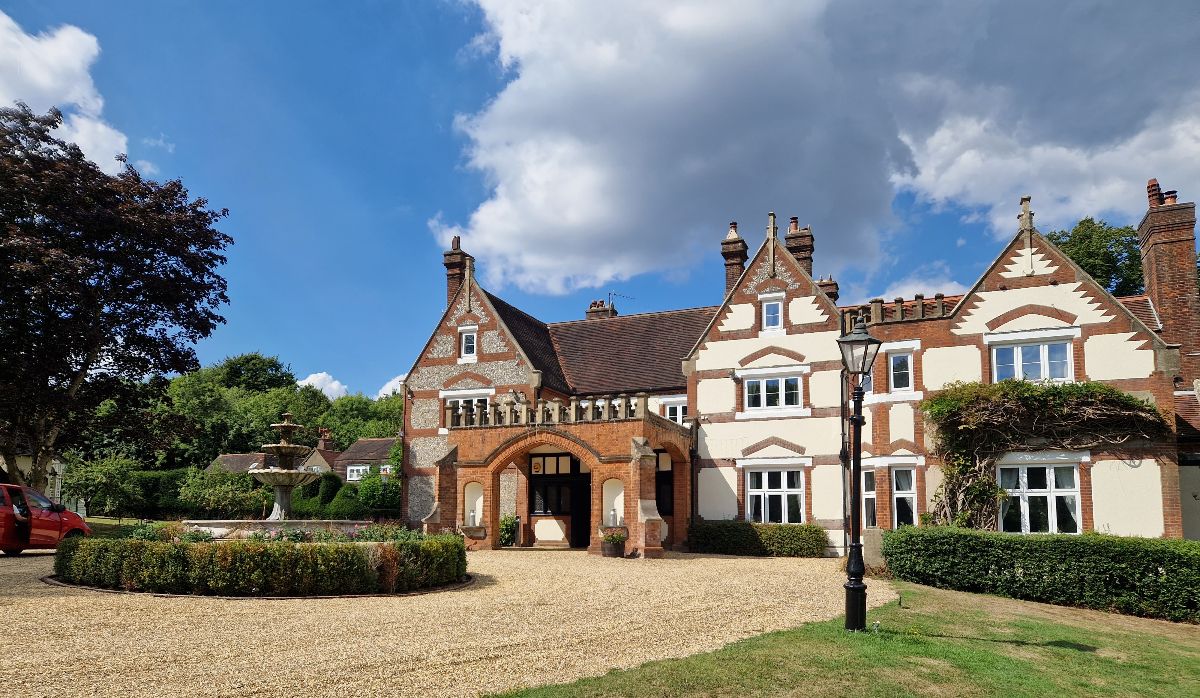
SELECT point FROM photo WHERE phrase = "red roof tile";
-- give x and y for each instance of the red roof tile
(368, 451)
(1143, 309)
(1187, 417)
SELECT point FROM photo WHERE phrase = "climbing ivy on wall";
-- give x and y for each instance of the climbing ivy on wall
(974, 423)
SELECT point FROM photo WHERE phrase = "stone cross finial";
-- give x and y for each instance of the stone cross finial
(1026, 216)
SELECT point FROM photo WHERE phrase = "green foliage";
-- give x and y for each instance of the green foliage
(746, 538)
(262, 568)
(975, 422)
(1139, 576)
(380, 496)
(170, 532)
(105, 485)
(345, 504)
(1109, 254)
(614, 536)
(508, 530)
(353, 417)
(225, 495)
(329, 484)
(159, 492)
(396, 454)
(254, 372)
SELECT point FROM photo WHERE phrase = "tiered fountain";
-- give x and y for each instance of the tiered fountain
(284, 477)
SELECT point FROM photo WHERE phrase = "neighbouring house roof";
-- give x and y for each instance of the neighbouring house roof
(241, 462)
(368, 451)
(1143, 309)
(328, 455)
(628, 353)
(534, 337)
(1187, 417)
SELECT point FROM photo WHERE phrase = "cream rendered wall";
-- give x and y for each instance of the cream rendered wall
(1067, 297)
(547, 530)
(815, 346)
(901, 421)
(727, 439)
(827, 492)
(1031, 321)
(825, 388)
(803, 311)
(1189, 496)
(1109, 356)
(1127, 498)
(612, 492)
(740, 317)
(933, 480)
(473, 501)
(716, 490)
(715, 395)
(942, 365)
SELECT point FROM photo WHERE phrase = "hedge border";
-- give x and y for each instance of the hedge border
(53, 580)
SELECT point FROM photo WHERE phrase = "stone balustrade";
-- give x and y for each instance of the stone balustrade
(507, 410)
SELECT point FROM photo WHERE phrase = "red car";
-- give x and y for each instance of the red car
(47, 523)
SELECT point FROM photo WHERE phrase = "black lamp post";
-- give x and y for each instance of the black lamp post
(858, 354)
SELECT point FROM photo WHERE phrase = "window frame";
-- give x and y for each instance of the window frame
(870, 495)
(898, 494)
(1051, 493)
(1043, 359)
(784, 491)
(764, 303)
(781, 392)
(357, 472)
(891, 371)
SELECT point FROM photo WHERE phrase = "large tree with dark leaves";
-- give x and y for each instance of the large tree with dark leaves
(103, 279)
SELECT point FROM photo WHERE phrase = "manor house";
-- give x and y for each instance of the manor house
(735, 410)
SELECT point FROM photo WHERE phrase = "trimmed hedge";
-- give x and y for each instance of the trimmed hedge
(250, 568)
(1149, 577)
(745, 538)
(160, 493)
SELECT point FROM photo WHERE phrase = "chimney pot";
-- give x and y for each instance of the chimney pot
(1170, 197)
(735, 251)
(1153, 193)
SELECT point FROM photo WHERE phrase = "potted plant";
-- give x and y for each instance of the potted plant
(612, 543)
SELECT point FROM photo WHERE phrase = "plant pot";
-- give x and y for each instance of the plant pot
(612, 549)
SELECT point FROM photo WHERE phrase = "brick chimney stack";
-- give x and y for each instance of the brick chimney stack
(1167, 238)
(829, 287)
(799, 241)
(455, 261)
(600, 309)
(735, 251)
(325, 439)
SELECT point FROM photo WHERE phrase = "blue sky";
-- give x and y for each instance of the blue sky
(581, 149)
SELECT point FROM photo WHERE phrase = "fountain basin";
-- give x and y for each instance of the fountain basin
(278, 477)
(237, 529)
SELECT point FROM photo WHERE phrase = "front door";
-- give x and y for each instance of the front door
(581, 511)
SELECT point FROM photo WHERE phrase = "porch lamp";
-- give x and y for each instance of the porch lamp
(859, 350)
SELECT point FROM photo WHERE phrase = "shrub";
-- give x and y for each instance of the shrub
(327, 487)
(346, 505)
(159, 492)
(306, 508)
(378, 495)
(262, 568)
(508, 530)
(745, 538)
(222, 494)
(615, 535)
(1139, 576)
(170, 532)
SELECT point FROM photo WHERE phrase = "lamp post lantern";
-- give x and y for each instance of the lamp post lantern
(859, 350)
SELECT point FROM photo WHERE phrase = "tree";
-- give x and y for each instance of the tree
(254, 372)
(353, 417)
(1110, 254)
(105, 485)
(103, 279)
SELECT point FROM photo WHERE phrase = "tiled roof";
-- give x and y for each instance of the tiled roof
(629, 353)
(1187, 417)
(241, 462)
(328, 455)
(534, 338)
(1143, 309)
(367, 451)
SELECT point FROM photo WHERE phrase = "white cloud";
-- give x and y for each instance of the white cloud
(160, 142)
(961, 242)
(391, 386)
(326, 383)
(146, 167)
(631, 132)
(53, 68)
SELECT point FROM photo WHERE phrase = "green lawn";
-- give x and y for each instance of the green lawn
(938, 643)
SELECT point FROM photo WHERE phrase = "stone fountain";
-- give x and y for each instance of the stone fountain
(283, 476)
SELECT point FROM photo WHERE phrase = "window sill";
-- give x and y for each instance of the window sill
(902, 396)
(468, 359)
(442, 431)
(772, 332)
(773, 413)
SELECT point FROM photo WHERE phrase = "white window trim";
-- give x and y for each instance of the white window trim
(784, 492)
(889, 461)
(677, 401)
(777, 463)
(912, 373)
(762, 309)
(466, 393)
(1043, 359)
(1050, 457)
(462, 333)
(872, 495)
(903, 345)
(773, 413)
(781, 372)
(1031, 335)
(357, 469)
(907, 494)
(1051, 492)
(772, 371)
(899, 396)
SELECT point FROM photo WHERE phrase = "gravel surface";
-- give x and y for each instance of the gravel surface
(531, 618)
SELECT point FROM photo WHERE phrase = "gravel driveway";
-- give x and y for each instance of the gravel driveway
(532, 617)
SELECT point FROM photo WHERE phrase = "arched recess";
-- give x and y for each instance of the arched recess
(474, 510)
(515, 448)
(612, 498)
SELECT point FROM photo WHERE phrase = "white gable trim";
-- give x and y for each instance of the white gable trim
(798, 461)
(1024, 335)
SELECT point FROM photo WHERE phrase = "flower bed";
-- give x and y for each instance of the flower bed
(1139, 576)
(262, 568)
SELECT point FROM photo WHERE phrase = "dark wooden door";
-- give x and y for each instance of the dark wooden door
(581, 511)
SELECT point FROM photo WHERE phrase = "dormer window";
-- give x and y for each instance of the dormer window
(467, 345)
(772, 315)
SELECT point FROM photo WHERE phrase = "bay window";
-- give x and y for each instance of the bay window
(775, 496)
(1041, 499)
(1033, 362)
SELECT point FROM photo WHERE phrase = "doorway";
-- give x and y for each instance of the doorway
(560, 489)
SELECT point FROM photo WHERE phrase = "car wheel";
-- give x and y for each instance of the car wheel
(14, 552)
